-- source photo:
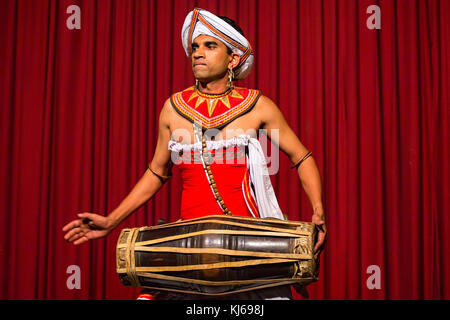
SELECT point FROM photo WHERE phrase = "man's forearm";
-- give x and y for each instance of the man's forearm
(142, 192)
(311, 182)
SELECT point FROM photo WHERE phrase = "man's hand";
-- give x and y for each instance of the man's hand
(319, 220)
(89, 226)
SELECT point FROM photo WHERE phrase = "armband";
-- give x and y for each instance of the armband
(162, 178)
(301, 161)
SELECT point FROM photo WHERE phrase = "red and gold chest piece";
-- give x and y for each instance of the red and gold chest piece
(214, 110)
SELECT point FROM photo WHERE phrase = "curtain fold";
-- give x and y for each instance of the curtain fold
(79, 113)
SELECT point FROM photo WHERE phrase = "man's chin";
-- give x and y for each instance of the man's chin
(203, 79)
(201, 76)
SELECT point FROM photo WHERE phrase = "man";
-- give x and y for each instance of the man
(219, 53)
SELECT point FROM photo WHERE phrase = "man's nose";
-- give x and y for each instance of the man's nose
(198, 53)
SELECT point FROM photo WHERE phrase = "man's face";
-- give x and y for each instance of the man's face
(210, 58)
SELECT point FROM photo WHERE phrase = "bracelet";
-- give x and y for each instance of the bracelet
(303, 159)
(160, 177)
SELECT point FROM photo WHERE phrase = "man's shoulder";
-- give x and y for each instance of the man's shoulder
(264, 102)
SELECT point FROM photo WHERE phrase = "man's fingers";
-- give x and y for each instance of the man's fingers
(319, 221)
(71, 225)
(320, 241)
(80, 230)
(81, 240)
(76, 232)
(318, 252)
(317, 246)
(75, 236)
(71, 233)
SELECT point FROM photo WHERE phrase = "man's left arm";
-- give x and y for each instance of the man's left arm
(308, 172)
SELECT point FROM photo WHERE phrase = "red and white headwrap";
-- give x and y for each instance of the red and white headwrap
(200, 21)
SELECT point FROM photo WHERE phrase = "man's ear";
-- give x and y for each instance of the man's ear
(235, 59)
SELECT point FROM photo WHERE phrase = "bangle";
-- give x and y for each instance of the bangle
(303, 159)
(160, 177)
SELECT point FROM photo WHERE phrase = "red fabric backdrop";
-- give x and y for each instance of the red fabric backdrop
(78, 125)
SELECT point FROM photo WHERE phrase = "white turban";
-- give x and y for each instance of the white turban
(200, 21)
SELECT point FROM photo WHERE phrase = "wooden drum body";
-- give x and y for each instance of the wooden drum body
(217, 255)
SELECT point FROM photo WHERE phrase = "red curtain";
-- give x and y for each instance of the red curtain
(79, 116)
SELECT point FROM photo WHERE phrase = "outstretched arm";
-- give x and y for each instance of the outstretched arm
(308, 172)
(90, 226)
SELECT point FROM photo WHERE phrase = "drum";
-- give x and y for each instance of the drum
(217, 255)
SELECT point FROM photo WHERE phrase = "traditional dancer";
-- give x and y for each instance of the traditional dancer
(210, 131)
